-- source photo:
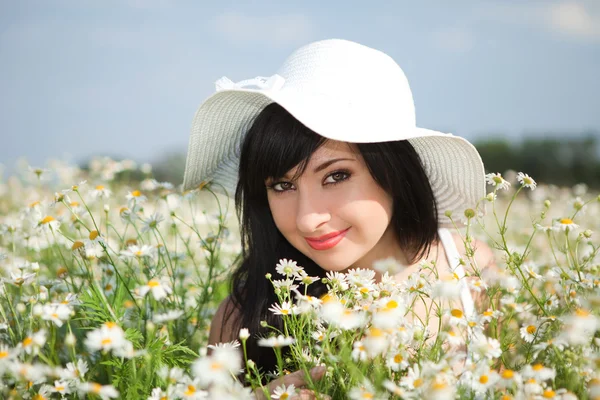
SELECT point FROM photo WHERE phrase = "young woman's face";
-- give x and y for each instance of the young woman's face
(335, 194)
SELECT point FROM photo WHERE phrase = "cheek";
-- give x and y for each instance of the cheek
(281, 215)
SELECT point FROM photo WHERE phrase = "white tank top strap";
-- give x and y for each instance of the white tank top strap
(455, 266)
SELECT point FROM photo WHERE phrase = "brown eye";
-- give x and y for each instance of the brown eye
(282, 186)
(337, 177)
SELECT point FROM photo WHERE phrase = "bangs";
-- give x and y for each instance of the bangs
(275, 144)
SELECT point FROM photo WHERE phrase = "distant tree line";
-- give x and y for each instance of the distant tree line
(561, 161)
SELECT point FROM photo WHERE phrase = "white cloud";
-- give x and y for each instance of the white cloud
(574, 19)
(274, 30)
(454, 40)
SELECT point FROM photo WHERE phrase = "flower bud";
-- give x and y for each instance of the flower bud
(448, 213)
(587, 233)
(547, 203)
(21, 308)
(70, 339)
(37, 310)
(106, 208)
(244, 334)
(469, 213)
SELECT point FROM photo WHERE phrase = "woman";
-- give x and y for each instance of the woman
(328, 169)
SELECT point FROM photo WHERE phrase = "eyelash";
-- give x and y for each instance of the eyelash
(341, 171)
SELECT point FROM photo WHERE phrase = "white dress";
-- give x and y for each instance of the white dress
(454, 261)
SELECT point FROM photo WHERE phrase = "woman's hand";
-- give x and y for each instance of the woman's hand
(297, 379)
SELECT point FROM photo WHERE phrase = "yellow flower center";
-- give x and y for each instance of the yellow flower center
(538, 367)
(566, 221)
(418, 382)
(47, 219)
(100, 187)
(580, 312)
(549, 393)
(483, 379)
(27, 341)
(3, 354)
(285, 311)
(74, 204)
(367, 395)
(96, 388)
(94, 235)
(35, 203)
(456, 313)
(508, 374)
(153, 283)
(59, 388)
(284, 396)
(110, 324)
(191, 389)
(77, 245)
(488, 313)
(531, 329)
(391, 304)
(398, 358)
(215, 366)
(106, 341)
(136, 193)
(439, 385)
(375, 332)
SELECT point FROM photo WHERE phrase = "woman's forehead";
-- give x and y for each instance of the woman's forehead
(334, 149)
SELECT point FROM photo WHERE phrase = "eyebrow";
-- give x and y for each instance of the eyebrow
(327, 164)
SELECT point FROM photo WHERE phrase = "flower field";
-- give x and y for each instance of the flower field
(108, 287)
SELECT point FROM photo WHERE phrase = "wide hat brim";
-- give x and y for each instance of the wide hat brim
(452, 164)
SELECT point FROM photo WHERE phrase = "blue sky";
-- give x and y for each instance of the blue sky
(124, 78)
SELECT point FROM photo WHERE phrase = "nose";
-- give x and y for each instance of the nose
(311, 212)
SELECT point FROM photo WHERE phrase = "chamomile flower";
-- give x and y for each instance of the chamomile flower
(61, 387)
(397, 360)
(135, 197)
(287, 268)
(135, 251)
(509, 378)
(564, 224)
(75, 371)
(57, 313)
(152, 222)
(170, 315)
(100, 192)
(286, 284)
(219, 367)
(457, 317)
(48, 223)
(529, 332)
(538, 372)
(34, 342)
(21, 278)
(284, 308)
(337, 281)
(159, 288)
(283, 392)
(526, 181)
(497, 181)
(276, 341)
(364, 391)
(108, 337)
(105, 392)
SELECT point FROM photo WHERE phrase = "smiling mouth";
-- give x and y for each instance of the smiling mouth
(326, 242)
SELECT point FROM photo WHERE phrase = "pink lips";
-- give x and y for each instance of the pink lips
(326, 241)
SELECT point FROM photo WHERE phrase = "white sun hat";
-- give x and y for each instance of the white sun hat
(343, 91)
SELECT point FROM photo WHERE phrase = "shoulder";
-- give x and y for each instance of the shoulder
(223, 327)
